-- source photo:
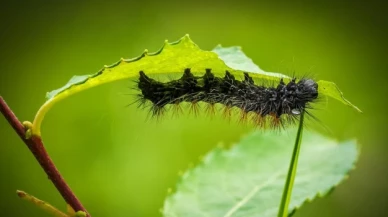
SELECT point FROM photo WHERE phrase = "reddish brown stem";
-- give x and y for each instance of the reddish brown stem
(35, 145)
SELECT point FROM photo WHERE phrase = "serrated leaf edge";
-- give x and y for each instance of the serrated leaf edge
(322, 194)
(220, 147)
(55, 96)
(121, 61)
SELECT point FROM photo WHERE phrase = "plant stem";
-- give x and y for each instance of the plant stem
(285, 202)
(35, 145)
(41, 204)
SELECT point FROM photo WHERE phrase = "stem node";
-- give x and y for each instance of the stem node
(35, 144)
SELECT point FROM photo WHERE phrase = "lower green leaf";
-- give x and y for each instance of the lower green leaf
(248, 179)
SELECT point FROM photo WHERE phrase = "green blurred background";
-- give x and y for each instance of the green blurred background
(117, 161)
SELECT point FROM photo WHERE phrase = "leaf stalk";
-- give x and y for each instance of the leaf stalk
(287, 191)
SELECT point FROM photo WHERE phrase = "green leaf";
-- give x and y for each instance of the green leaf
(248, 179)
(173, 58)
(234, 58)
(331, 89)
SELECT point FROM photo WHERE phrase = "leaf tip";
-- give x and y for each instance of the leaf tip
(348, 103)
(355, 107)
(332, 90)
(21, 194)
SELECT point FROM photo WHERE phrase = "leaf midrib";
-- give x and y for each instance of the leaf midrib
(251, 193)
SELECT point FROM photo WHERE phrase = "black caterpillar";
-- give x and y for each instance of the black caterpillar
(284, 100)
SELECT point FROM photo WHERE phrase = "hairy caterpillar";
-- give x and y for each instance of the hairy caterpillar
(272, 106)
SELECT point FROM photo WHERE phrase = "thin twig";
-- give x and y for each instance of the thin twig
(35, 145)
(41, 204)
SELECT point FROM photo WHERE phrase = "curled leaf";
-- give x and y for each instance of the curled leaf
(173, 58)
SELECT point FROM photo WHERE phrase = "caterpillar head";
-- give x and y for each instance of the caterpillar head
(307, 89)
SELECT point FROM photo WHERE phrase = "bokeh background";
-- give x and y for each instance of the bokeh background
(117, 161)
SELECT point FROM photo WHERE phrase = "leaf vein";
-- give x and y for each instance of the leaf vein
(250, 194)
